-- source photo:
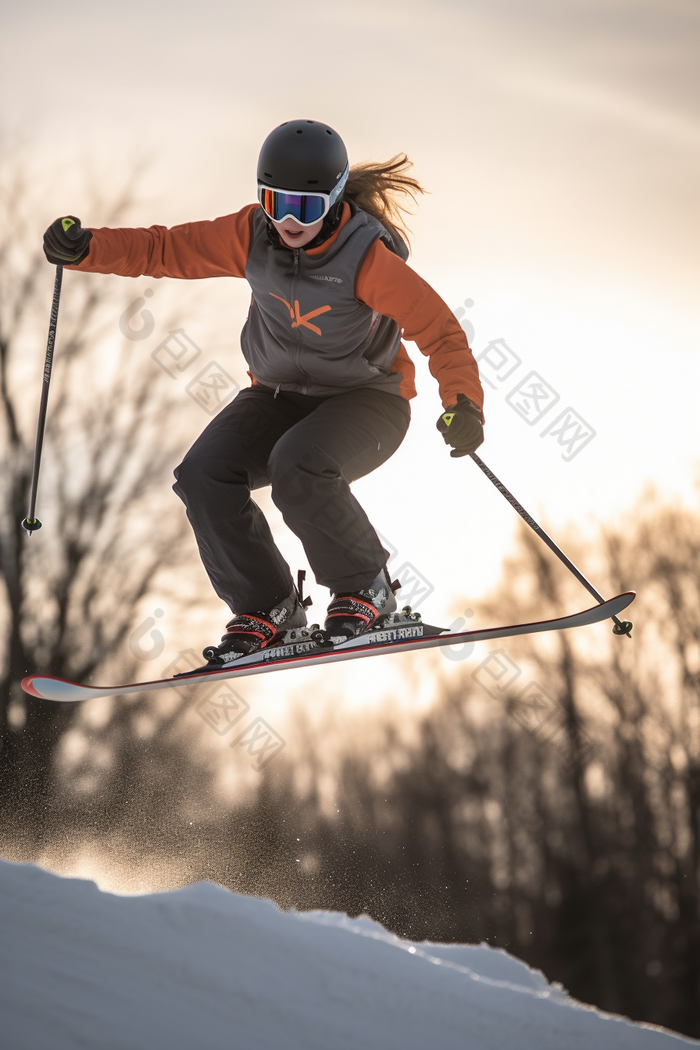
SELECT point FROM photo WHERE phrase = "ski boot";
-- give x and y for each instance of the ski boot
(248, 632)
(353, 613)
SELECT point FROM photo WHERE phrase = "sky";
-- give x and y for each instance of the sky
(559, 142)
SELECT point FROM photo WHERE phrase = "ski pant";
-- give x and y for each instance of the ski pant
(308, 449)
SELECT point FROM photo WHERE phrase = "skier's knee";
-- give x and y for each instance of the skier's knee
(182, 476)
(291, 485)
(294, 473)
(190, 473)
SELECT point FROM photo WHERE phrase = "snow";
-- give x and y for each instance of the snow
(203, 967)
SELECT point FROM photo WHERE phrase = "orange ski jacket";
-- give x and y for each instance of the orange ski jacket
(309, 330)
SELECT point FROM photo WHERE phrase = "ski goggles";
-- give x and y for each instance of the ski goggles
(304, 208)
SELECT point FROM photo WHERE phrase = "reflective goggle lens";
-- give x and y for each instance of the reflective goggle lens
(305, 208)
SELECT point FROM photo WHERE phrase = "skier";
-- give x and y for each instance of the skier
(330, 378)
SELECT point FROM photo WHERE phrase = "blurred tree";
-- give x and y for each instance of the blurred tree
(70, 591)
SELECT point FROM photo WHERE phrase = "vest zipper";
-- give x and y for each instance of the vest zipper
(277, 389)
(295, 273)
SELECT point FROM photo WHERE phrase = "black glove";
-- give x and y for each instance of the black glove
(66, 241)
(461, 427)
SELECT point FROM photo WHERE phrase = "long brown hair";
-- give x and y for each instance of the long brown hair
(375, 188)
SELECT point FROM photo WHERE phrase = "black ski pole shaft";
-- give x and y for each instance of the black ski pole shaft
(32, 523)
(621, 626)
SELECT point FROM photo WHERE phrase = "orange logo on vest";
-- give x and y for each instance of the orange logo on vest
(302, 319)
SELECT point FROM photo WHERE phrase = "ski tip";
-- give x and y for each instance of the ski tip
(29, 687)
(47, 688)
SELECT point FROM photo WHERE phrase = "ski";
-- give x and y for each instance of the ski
(402, 633)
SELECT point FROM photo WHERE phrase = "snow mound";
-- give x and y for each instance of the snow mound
(202, 967)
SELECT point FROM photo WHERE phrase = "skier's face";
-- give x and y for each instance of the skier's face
(294, 235)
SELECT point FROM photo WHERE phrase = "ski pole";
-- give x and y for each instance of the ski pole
(30, 523)
(621, 626)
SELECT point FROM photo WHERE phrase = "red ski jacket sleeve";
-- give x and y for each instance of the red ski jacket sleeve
(220, 248)
(216, 248)
(391, 287)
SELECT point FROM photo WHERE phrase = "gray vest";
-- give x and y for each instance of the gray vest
(306, 331)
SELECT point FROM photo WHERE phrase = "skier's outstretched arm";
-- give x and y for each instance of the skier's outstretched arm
(216, 248)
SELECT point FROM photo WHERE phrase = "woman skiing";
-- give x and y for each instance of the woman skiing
(330, 378)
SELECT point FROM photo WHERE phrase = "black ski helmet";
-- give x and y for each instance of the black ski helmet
(302, 155)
